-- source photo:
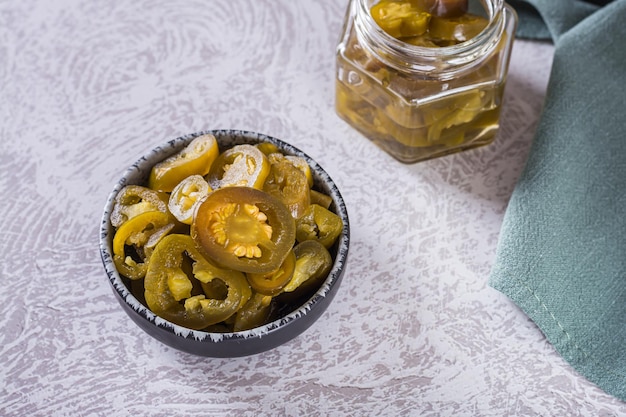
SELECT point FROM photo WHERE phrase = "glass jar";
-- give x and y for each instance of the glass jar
(423, 102)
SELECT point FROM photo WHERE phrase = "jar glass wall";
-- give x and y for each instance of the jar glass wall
(419, 101)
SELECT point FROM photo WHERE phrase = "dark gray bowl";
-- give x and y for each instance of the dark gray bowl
(234, 344)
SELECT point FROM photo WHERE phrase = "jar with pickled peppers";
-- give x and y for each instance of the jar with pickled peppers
(424, 78)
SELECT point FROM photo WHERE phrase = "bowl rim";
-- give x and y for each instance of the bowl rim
(243, 136)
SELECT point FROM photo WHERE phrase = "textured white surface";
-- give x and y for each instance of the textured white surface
(87, 87)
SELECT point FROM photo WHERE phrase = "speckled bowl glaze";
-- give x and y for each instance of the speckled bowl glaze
(234, 344)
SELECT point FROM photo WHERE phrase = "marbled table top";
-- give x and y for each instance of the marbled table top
(87, 87)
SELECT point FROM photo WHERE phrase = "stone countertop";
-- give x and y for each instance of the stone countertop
(87, 87)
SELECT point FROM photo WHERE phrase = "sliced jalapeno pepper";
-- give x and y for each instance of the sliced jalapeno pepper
(134, 240)
(267, 148)
(313, 263)
(273, 282)
(186, 196)
(296, 161)
(455, 111)
(242, 166)
(133, 200)
(320, 199)
(289, 185)
(245, 229)
(254, 313)
(318, 223)
(169, 288)
(456, 29)
(400, 18)
(195, 159)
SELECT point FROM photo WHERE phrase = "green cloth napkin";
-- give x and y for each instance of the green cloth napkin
(561, 256)
(548, 19)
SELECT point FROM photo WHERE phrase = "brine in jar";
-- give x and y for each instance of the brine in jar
(424, 78)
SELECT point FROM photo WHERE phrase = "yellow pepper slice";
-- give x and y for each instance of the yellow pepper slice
(400, 18)
(186, 196)
(267, 148)
(195, 159)
(240, 166)
(171, 290)
(133, 200)
(134, 240)
(272, 283)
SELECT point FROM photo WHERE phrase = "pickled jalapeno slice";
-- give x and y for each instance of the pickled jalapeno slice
(267, 148)
(254, 313)
(133, 200)
(240, 166)
(400, 18)
(272, 283)
(289, 185)
(320, 198)
(186, 196)
(134, 240)
(319, 223)
(313, 263)
(296, 161)
(245, 229)
(428, 23)
(169, 286)
(195, 159)
(456, 29)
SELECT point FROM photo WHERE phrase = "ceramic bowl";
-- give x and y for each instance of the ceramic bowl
(259, 339)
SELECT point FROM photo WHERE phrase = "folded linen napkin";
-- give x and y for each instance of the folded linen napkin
(561, 256)
(548, 19)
